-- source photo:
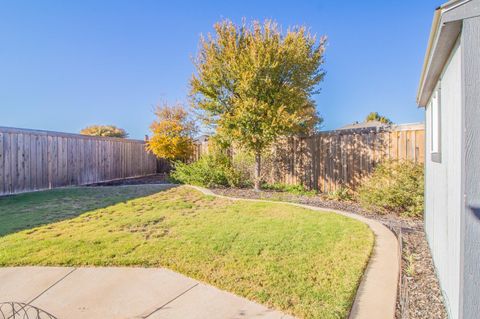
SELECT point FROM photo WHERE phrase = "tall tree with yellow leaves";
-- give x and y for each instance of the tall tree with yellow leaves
(172, 133)
(255, 83)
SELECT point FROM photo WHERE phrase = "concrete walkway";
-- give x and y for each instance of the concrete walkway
(71, 293)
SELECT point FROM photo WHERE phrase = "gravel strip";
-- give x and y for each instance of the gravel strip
(419, 294)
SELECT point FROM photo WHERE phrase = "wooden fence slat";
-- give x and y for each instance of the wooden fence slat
(15, 163)
(32, 159)
(64, 152)
(21, 162)
(7, 172)
(2, 165)
(43, 162)
(420, 144)
(329, 154)
(27, 151)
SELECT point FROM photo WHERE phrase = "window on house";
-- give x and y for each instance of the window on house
(435, 105)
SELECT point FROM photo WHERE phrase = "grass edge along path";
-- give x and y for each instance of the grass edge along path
(303, 262)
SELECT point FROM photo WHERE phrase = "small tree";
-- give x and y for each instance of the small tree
(254, 83)
(374, 116)
(104, 130)
(173, 132)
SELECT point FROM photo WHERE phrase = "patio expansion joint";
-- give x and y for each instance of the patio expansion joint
(40, 294)
(52, 285)
(170, 301)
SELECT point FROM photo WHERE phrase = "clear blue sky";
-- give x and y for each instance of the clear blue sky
(65, 65)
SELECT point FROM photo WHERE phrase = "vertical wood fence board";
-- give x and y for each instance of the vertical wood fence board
(26, 162)
(42, 165)
(15, 162)
(33, 163)
(329, 155)
(65, 162)
(2, 165)
(320, 163)
(421, 146)
(7, 170)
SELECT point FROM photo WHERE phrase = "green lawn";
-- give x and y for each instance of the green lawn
(306, 263)
(33, 209)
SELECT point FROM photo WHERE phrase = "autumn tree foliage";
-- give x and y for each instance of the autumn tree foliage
(172, 133)
(374, 116)
(254, 83)
(104, 130)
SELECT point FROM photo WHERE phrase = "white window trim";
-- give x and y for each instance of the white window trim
(436, 125)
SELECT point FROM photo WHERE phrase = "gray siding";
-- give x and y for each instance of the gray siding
(471, 256)
(443, 197)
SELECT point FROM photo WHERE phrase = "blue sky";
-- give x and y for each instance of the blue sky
(65, 65)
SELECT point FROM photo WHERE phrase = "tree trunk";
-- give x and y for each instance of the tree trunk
(257, 170)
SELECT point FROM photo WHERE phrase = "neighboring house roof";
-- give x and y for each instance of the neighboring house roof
(202, 138)
(446, 27)
(361, 125)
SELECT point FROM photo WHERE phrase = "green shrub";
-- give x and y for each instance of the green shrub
(395, 186)
(342, 193)
(210, 170)
(293, 189)
(243, 164)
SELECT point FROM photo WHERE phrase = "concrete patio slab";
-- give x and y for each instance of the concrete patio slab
(30, 282)
(202, 295)
(113, 292)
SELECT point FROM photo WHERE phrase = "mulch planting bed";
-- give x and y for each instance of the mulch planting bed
(151, 179)
(419, 295)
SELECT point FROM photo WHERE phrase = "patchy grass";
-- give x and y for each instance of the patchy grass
(306, 263)
(33, 209)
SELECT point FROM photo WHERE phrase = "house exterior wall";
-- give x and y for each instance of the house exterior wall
(443, 183)
(471, 225)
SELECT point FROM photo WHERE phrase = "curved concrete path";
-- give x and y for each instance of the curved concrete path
(377, 294)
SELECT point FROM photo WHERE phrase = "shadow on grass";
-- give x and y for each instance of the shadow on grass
(24, 211)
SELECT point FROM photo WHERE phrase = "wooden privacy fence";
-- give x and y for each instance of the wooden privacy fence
(331, 159)
(35, 160)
